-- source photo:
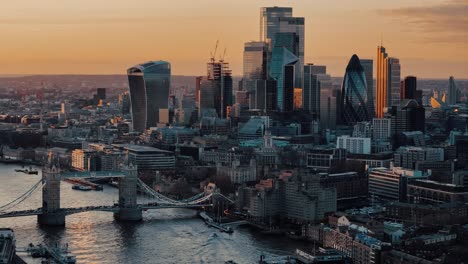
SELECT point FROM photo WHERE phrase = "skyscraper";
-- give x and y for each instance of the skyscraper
(354, 101)
(265, 95)
(328, 102)
(310, 88)
(275, 20)
(282, 69)
(394, 80)
(454, 94)
(408, 88)
(368, 66)
(149, 92)
(255, 66)
(269, 21)
(382, 83)
(216, 89)
(388, 82)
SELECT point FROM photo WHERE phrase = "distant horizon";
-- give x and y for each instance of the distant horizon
(185, 75)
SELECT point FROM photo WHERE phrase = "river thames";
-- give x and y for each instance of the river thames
(164, 236)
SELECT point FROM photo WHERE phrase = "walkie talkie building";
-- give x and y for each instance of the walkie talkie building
(149, 91)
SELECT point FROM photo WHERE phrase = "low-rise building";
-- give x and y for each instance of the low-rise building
(325, 158)
(391, 183)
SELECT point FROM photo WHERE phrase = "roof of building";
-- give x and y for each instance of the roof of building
(142, 148)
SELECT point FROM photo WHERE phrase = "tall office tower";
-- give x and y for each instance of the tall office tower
(265, 95)
(328, 102)
(310, 88)
(394, 81)
(295, 25)
(282, 69)
(275, 20)
(198, 81)
(354, 101)
(382, 82)
(216, 90)
(255, 66)
(388, 82)
(368, 66)
(269, 21)
(408, 88)
(454, 94)
(149, 92)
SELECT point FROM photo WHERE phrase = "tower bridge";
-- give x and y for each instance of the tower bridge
(127, 208)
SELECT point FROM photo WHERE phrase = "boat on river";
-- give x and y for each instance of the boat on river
(81, 187)
(28, 171)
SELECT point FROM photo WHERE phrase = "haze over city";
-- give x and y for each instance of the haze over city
(106, 37)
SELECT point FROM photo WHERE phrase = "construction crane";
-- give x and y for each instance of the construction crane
(221, 58)
(213, 54)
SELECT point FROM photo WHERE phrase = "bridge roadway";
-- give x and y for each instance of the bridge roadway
(111, 209)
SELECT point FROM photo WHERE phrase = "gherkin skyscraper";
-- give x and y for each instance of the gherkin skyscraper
(354, 101)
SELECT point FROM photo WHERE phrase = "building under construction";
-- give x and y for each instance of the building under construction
(216, 89)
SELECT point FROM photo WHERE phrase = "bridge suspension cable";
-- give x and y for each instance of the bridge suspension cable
(199, 198)
(23, 197)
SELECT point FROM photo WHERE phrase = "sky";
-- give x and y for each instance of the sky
(430, 37)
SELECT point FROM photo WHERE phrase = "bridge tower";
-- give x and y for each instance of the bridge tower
(51, 212)
(129, 210)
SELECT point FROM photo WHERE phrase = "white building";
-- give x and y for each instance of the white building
(354, 145)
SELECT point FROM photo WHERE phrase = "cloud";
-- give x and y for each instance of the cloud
(442, 23)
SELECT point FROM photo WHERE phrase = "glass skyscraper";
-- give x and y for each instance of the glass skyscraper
(408, 88)
(310, 89)
(394, 81)
(354, 101)
(275, 20)
(328, 101)
(368, 66)
(269, 21)
(149, 92)
(454, 94)
(388, 82)
(255, 67)
(282, 69)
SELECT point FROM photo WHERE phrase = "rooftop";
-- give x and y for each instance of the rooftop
(142, 148)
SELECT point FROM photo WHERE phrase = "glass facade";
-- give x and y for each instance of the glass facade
(368, 66)
(328, 101)
(354, 93)
(283, 55)
(382, 83)
(265, 94)
(269, 22)
(310, 89)
(388, 82)
(394, 82)
(149, 91)
(255, 63)
(275, 20)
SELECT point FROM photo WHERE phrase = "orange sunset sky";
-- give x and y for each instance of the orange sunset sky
(430, 37)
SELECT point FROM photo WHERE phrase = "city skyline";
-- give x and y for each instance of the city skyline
(93, 38)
